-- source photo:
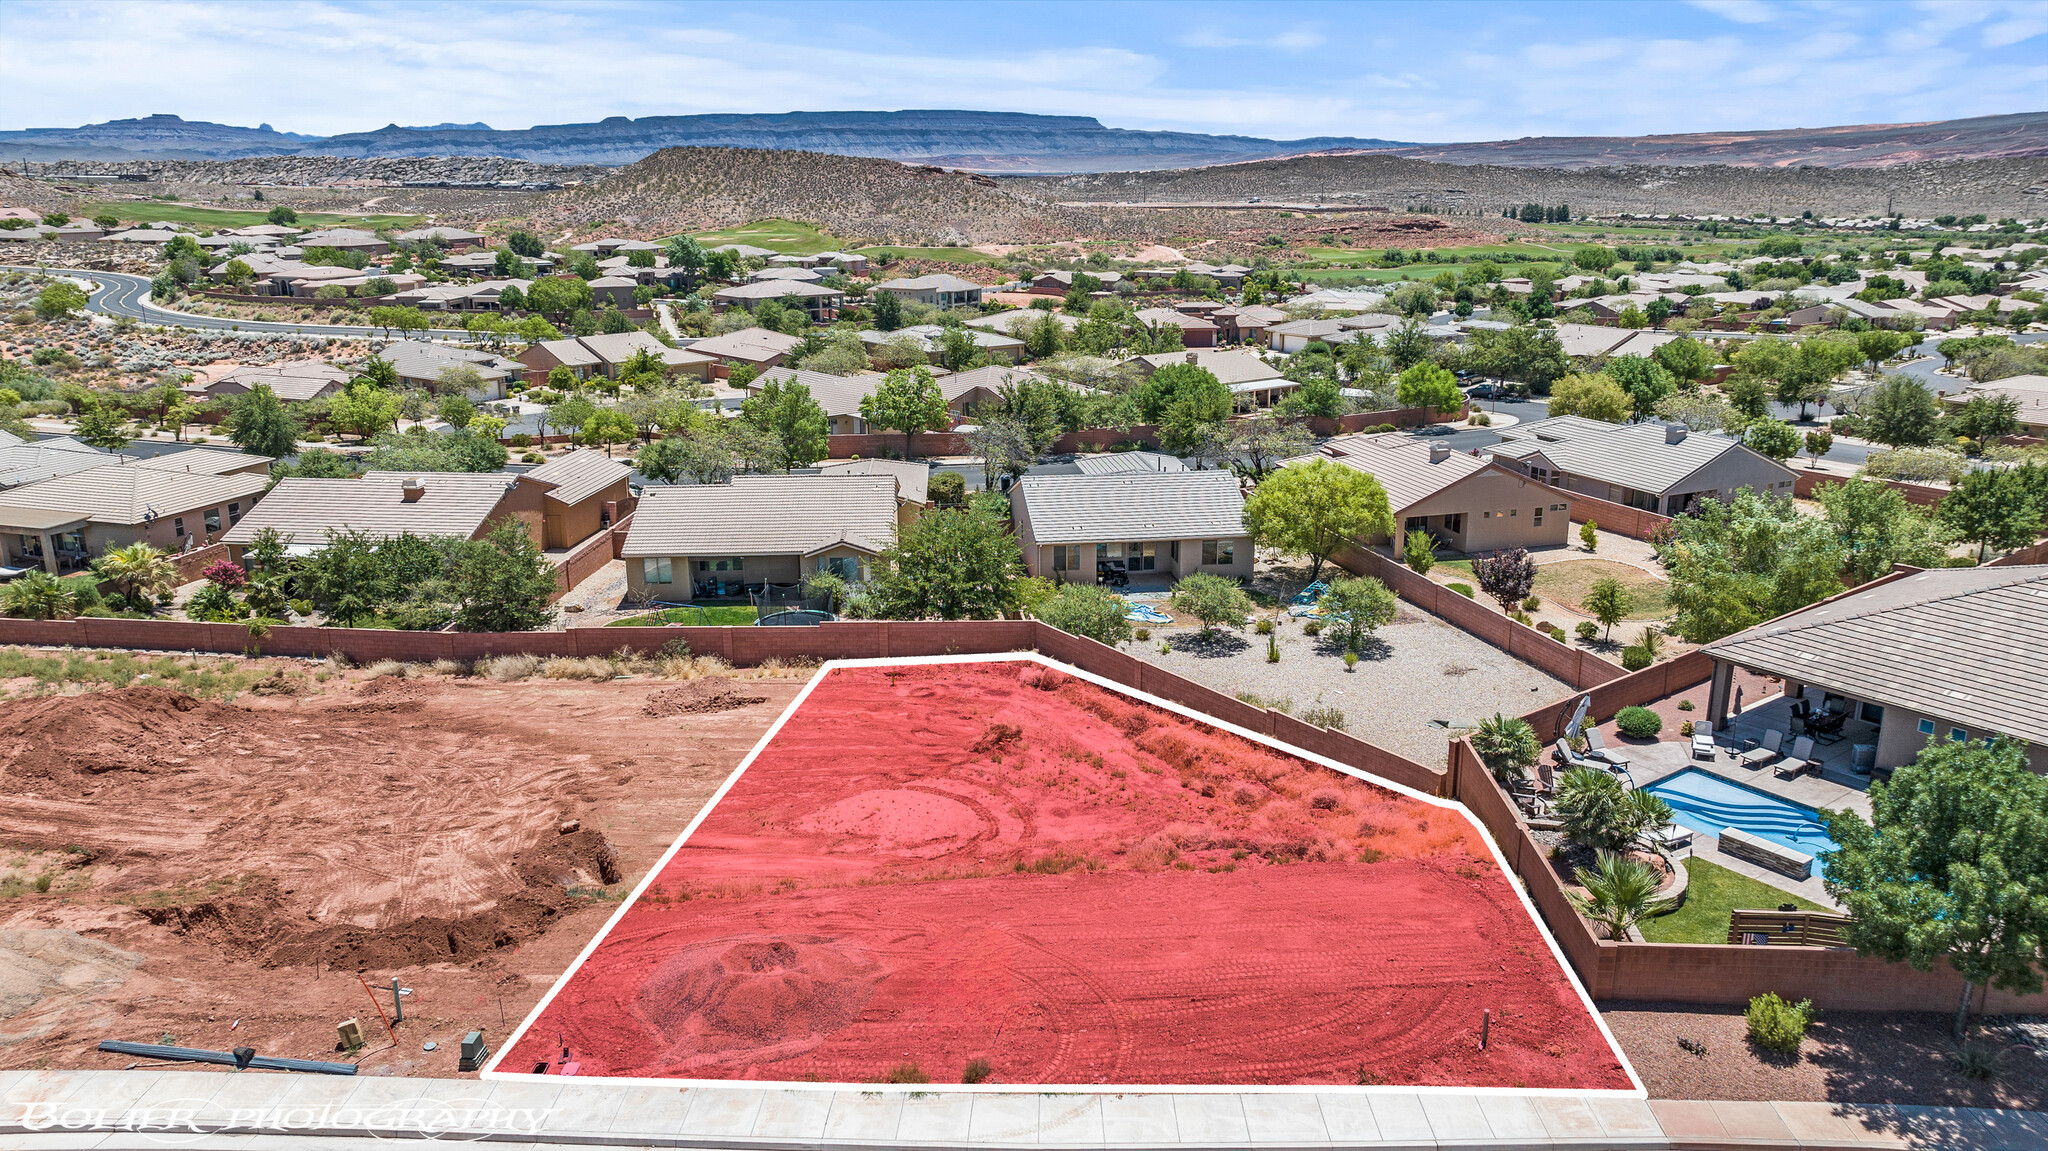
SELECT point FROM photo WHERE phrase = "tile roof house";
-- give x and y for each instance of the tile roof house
(614, 349)
(697, 540)
(840, 396)
(34, 461)
(1466, 503)
(1111, 463)
(745, 251)
(1171, 522)
(62, 522)
(1253, 382)
(2031, 393)
(942, 290)
(931, 338)
(346, 239)
(1655, 467)
(913, 481)
(788, 274)
(582, 494)
(293, 382)
(205, 461)
(614, 290)
(757, 346)
(973, 390)
(1948, 654)
(821, 303)
(419, 365)
(547, 355)
(1195, 332)
(849, 262)
(140, 236)
(459, 505)
(452, 239)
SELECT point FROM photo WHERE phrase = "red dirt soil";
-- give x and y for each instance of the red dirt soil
(941, 863)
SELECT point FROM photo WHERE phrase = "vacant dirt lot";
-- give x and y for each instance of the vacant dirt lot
(219, 874)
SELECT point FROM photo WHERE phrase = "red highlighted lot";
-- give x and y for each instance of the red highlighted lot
(943, 863)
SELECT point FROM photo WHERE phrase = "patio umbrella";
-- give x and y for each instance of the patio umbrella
(1738, 700)
(1578, 717)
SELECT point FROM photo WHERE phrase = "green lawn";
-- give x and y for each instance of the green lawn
(716, 615)
(204, 217)
(1712, 893)
(954, 255)
(785, 236)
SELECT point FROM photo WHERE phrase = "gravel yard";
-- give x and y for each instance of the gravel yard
(1420, 670)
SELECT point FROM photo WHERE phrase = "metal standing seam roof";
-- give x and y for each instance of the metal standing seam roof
(1401, 465)
(455, 504)
(1965, 644)
(579, 475)
(1637, 456)
(125, 495)
(764, 515)
(1133, 506)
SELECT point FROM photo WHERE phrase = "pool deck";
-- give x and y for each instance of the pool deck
(1836, 787)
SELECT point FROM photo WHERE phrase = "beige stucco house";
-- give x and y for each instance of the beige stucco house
(1467, 503)
(1173, 523)
(695, 541)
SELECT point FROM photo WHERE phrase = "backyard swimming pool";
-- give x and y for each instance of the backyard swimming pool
(1707, 803)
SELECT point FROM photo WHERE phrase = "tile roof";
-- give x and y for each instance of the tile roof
(418, 360)
(1231, 366)
(991, 376)
(1964, 644)
(913, 479)
(455, 504)
(202, 461)
(1401, 464)
(1114, 463)
(747, 344)
(764, 515)
(774, 290)
(617, 347)
(1590, 339)
(301, 380)
(1133, 506)
(29, 463)
(440, 233)
(838, 395)
(570, 352)
(1631, 455)
(940, 282)
(580, 475)
(125, 495)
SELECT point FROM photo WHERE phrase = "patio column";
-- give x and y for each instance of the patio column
(49, 552)
(1718, 691)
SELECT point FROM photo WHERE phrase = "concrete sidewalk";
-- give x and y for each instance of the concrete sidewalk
(246, 1111)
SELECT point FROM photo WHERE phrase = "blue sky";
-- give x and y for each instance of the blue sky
(1405, 71)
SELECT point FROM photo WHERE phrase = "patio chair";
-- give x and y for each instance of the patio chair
(1566, 757)
(1596, 748)
(1674, 835)
(1827, 728)
(1703, 739)
(1766, 752)
(1800, 762)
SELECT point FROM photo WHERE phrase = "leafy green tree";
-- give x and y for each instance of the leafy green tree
(1261, 442)
(1645, 380)
(1736, 562)
(606, 428)
(455, 410)
(103, 426)
(785, 409)
(888, 311)
(1211, 599)
(282, 216)
(1688, 360)
(1507, 575)
(949, 565)
(501, 582)
(1984, 418)
(907, 401)
(1593, 397)
(1087, 610)
(1775, 440)
(1426, 385)
(558, 296)
(570, 412)
(363, 410)
(1880, 529)
(1900, 412)
(1819, 442)
(1524, 353)
(260, 424)
(1993, 509)
(947, 489)
(58, 300)
(1593, 257)
(1408, 345)
(1317, 396)
(106, 221)
(1353, 609)
(526, 244)
(1507, 745)
(237, 274)
(1953, 864)
(1316, 509)
(1878, 345)
(1196, 389)
(1609, 602)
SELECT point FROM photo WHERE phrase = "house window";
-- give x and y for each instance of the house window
(212, 519)
(1219, 552)
(1958, 735)
(1539, 517)
(1540, 475)
(1642, 501)
(31, 545)
(657, 569)
(178, 527)
(1066, 557)
(1454, 523)
(1873, 713)
(845, 567)
(732, 564)
(234, 514)
(1926, 727)
(1173, 549)
(1142, 557)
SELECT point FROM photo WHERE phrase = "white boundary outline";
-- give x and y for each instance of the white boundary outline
(491, 1070)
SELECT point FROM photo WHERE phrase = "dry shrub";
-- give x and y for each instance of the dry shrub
(391, 667)
(574, 667)
(1326, 799)
(510, 668)
(1246, 795)
(1153, 853)
(448, 667)
(693, 667)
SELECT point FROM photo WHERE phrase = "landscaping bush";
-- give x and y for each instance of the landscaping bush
(1973, 1060)
(1587, 630)
(1636, 659)
(1143, 633)
(1552, 630)
(1350, 661)
(976, 1071)
(1685, 705)
(1463, 589)
(1265, 627)
(1777, 1025)
(906, 1073)
(522, 440)
(1685, 729)
(1532, 603)
(1324, 717)
(1638, 723)
(1312, 627)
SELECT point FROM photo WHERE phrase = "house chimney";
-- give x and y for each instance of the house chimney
(1674, 433)
(413, 489)
(1438, 453)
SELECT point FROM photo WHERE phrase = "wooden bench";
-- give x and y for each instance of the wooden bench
(1787, 928)
(1762, 852)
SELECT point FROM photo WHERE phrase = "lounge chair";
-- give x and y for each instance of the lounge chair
(1566, 757)
(1799, 762)
(1703, 739)
(1596, 748)
(1674, 835)
(1766, 752)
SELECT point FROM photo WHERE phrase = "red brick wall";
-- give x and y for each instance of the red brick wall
(1619, 518)
(1919, 495)
(873, 445)
(2037, 554)
(192, 563)
(586, 558)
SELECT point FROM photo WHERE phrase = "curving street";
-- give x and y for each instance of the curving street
(122, 294)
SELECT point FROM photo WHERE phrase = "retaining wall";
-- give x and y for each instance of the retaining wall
(191, 564)
(584, 560)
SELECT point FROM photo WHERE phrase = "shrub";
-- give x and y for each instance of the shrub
(1685, 705)
(1638, 722)
(522, 440)
(1507, 746)
(1520, 617)
(1532, 603)
(1264, 627)
(1418, 551)
(1272, 648)
(1587, 630)
(1777, 1025)
(1636, 659)
(976, 1071)
(1463, 589)
(1685, 729)
(906, 1073)
(1973, 1060)
(1350, 661)
(1143, 633)
(1312, 627)
(1589, 536)
(1323, 717)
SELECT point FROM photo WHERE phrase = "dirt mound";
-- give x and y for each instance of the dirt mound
(699, 697)
(387, 693)
(61, 738)
(780, 991)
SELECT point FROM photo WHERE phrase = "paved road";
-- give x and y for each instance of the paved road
(120, 294)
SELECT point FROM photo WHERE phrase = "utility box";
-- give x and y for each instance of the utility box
(473, 1052)
(351, 1034)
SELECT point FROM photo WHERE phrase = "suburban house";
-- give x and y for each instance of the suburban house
(61, 523)
(2030, 391)
(1176, 523)
(458, 505)
(968, 393)
(702, 540)
(756, 346)
(788, 273)
(1656, 467)
(1464, 502)
(743, 251)
(547, 355)
(613, 350)
(33, 461)
(1060, 283)
(942, 290)
(140, 236)
(204, 461)
(913, 482)
(293, 382)
(1295, 335)
(614, 290)
(1017, 322)
(451, 239)
(848, 262)
(582, 494)
(419, 365)
(1253, 382)
(931, 338)
(345, 239)
(821, 303)
(1195, 332)
(482, 296)
(1948, 654)
(840, 396)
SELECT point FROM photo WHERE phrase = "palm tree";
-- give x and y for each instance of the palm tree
(37, 595)
(1648, 813)
(138, 570)
(1619, 893)
(1507, 746)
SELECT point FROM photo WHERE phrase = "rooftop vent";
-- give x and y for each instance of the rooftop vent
(1192, 358)
(1674, 433)
(413, 489)
(1438, 453)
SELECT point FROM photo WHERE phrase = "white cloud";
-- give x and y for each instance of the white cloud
(1740, 11)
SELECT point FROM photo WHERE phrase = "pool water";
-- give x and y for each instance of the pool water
(1707, 803)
